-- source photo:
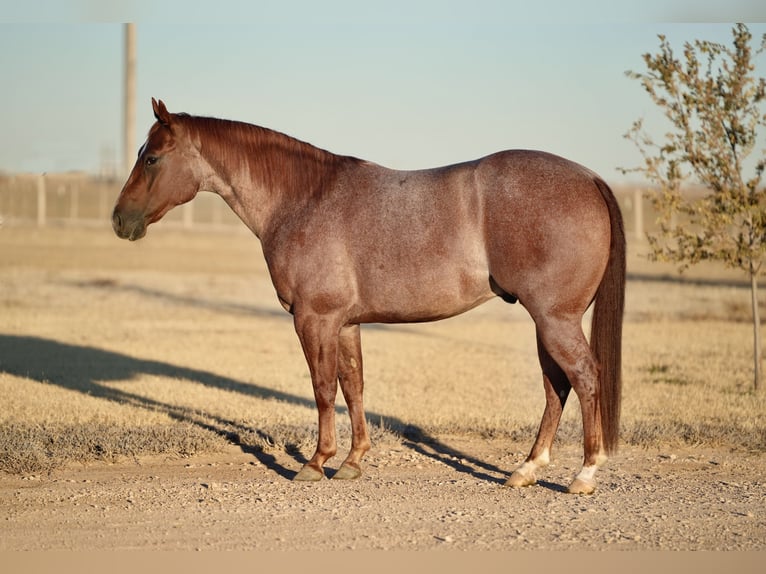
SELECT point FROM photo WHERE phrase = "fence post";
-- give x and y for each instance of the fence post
(74, 201)
(188, 216)
(41, 207)
(217, 219)
(103, 206)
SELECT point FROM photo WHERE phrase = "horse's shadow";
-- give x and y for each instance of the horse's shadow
(86, 369)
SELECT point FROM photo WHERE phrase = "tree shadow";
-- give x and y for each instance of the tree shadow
(86, 370)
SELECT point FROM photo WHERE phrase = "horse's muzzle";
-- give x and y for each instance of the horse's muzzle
(130, 228)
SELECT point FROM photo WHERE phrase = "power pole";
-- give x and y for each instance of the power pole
(129, 118)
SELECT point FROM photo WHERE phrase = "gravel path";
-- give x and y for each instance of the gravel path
(445, 495)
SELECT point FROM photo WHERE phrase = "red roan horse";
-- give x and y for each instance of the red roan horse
(348, 241)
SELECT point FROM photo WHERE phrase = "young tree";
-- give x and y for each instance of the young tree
(713, 101)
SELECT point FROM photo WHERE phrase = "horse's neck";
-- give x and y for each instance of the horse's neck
(262, 175)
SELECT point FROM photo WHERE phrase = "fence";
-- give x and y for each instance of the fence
(80, 199)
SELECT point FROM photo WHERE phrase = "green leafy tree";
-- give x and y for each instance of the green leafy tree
(712, 99)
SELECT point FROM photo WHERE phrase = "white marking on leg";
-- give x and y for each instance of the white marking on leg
(529, 468)
(544, 459)
(524, 475)
(587, 473)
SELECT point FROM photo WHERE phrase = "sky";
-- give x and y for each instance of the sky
(405, 84)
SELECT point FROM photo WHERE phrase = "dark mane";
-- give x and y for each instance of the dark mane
(277, 161)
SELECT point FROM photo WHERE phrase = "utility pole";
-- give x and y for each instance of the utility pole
(129, 118)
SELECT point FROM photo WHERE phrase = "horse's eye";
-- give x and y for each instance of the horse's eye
(151, 160)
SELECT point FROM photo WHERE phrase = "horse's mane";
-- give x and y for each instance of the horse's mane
(277, 161)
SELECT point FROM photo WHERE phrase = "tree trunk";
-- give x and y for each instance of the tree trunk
(757, 351)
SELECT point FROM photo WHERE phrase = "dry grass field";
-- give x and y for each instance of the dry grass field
(177, 342)
(176, 346)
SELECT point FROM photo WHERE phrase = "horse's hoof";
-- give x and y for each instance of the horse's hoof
(580, 486)
(519, 480)
(309, 474)
(347, 472)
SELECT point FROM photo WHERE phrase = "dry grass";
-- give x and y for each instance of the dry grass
(176, 345)
(26, 448)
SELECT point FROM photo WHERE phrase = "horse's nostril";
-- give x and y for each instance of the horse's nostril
(118, 225)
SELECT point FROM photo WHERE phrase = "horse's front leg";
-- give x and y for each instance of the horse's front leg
(352, 385)
(319, 339)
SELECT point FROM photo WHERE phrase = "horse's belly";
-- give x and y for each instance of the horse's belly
(408, 294)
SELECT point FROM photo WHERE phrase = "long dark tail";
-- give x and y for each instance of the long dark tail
(606, 326)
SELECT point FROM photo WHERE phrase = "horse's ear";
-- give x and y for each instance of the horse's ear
(161, 112)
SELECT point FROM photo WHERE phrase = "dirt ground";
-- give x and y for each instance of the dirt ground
(138, 336)
(446, 496)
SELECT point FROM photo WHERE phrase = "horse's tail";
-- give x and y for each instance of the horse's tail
(606, 326)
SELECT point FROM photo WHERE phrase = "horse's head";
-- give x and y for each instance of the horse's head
(162, 177)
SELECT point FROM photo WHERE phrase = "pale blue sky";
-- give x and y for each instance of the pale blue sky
(404, 84)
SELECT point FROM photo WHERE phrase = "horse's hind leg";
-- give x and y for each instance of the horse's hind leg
(557, 389)
(565, 342)
(352, 385)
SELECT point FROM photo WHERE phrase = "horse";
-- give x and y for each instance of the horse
(348, 242)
